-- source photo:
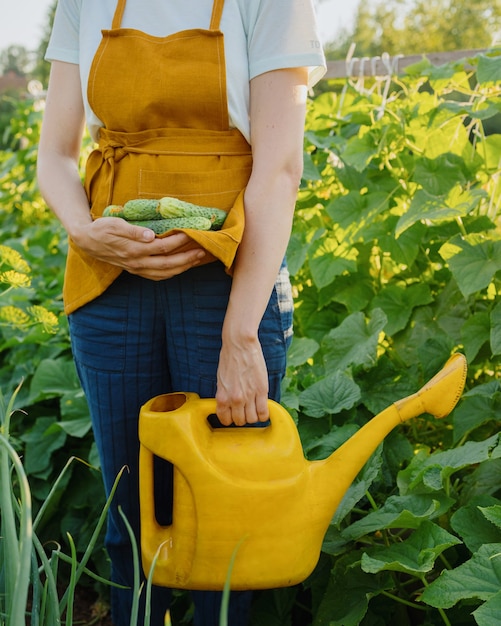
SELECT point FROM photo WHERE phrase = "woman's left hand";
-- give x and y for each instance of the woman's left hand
(242, 383)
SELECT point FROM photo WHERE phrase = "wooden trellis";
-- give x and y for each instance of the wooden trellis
(386, 65)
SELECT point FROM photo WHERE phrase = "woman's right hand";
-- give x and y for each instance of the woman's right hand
(136, 249)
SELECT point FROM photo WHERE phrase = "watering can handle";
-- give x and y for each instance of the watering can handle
(279, 418)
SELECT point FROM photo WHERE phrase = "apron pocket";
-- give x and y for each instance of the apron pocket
(217, 188)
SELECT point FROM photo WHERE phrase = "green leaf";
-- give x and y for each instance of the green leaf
(359, 209)
(323, 446)
(359, 488)
(493, 514)
(473, 261)
(400, 512)
(478, 406)
(438, 176)
(302, 349)
(330, 260)
(346, 599)
(415, 555)
(53, 377)
(354, 342)
(360, 151)
(398, 302)
(488, 614)
(490, 150)
(433, 470)
(457, 203)
(297, 252)
(41, 441)
(489, 69)
(496, 329)
(479, 578)
(471, 522)
(475, 332)
(310, 171)
(76, 428)
(331, 395)
(353, 291)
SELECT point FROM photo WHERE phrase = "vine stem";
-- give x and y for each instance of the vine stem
(413, 605)
(443, 615)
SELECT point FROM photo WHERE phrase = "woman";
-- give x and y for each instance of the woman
(202, 100)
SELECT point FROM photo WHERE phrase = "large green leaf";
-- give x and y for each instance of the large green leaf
(431, 471)
(414, 555)
(41, 441)
(425, 206)
(488, 614)
(400, 512)
(359, 210)
(53, 377)
(475, 332)
(335, 393)
(329, 259)
(360, 151)
(489, 69)
(354, 342)
(479, 578)
(302, 349)
(471, 522)
(347, 596)
(479, 405)
(438, 176)
(473, 261)
(398, 301)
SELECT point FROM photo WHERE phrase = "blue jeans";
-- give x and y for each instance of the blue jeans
(140, 339)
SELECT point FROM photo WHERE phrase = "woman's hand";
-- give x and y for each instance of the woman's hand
(136, 249)
(242, 382)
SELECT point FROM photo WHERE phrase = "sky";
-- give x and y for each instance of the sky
(22, 22)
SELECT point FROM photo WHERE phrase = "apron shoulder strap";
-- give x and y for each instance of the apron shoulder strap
(217, 11)
(119, 11)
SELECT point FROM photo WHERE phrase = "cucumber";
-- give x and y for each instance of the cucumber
(161, 226)
(141, 209)
(173, 207)
(113, 210)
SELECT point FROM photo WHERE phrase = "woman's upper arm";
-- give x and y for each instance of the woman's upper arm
(277, 115)
(64, 116)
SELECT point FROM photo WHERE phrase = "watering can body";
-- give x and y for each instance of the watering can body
(247, 496)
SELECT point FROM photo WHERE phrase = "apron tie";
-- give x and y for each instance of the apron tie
(111, 154)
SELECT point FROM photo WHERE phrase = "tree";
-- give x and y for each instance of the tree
(16, 59)
(403, 27)
(42, 67)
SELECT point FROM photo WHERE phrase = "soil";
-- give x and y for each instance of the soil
(89, 610)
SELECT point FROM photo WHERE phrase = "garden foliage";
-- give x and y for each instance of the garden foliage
(395, 260)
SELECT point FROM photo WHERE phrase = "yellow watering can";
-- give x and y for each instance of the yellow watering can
(253, 489)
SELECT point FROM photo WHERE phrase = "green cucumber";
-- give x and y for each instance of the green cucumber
(141, 209)
(113, 210)
(161, 226)
(173, 207)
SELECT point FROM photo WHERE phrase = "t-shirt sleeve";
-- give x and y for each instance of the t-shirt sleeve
(283, 34)
(64, 39)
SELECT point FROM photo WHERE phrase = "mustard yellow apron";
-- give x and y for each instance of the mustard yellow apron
(163, 105)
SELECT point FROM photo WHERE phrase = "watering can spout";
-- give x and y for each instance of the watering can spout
(252, 489)
(437, 397)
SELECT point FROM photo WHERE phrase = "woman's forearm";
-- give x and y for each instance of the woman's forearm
(61, 187)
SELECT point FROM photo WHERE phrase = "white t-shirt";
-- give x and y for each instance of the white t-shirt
(260, 36)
